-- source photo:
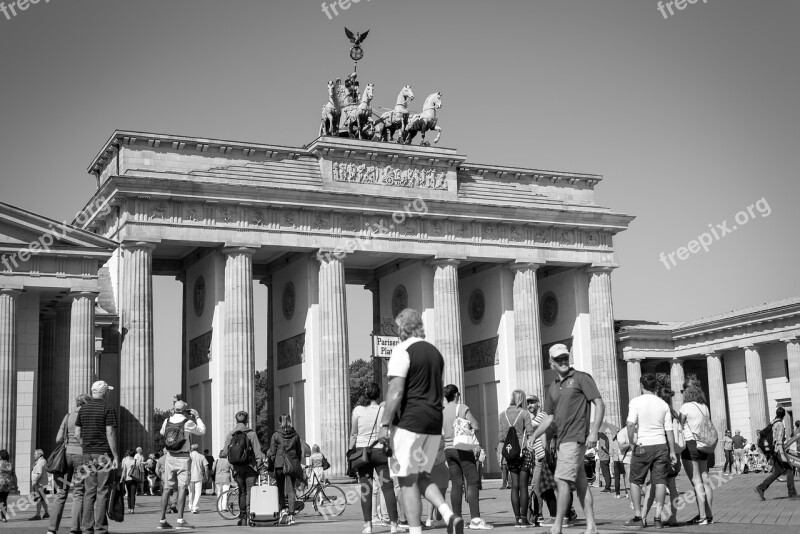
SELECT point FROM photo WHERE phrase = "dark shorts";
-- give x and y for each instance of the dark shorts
(650, 458)
(691, 452)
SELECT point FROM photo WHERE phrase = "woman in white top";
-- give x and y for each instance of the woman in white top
(693, 411)
(364, 433)
(222, 477)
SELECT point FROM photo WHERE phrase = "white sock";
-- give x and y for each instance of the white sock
(446, 512)
(415, 530)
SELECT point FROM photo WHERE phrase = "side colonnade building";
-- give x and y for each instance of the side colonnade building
(502, 262)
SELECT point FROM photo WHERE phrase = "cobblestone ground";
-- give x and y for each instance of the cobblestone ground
(736, 509)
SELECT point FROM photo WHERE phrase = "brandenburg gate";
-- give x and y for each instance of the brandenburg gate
(502, 262)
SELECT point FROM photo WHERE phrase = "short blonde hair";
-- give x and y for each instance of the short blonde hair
(518, 398)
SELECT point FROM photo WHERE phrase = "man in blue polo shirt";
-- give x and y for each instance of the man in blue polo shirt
(568, 405)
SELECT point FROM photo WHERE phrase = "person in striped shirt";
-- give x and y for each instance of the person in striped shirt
(538, 451)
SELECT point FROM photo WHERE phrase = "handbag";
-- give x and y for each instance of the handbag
(325, 464)
(116, 499)
(706, 435)
(361, 456)
(464, 438)
(680, 440)
(57, 461)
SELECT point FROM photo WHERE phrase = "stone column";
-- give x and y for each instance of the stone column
(136, 358)
(334, 362)
(447, 318)
(239, 355)
(81, 344)
(47, 415)
(634, 377)
(676, 382)
(604, 349)
(527, 337)
(61, 401)
(756, 391)
(267, 281)
(377, 366)
(716, 392)
(8, 369)
(793, 357)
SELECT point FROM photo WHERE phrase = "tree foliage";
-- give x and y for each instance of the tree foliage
(361, 374)
(263, 426)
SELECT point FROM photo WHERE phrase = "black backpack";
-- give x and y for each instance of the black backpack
(175, 436)
(512, 451)
(240, 450)
(766, 441)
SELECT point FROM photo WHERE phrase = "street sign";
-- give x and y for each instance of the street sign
(382, 345)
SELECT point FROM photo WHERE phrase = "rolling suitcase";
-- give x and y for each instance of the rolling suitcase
(264, 509)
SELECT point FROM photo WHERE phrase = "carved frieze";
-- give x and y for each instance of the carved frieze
(436, 228)
(464, 230)
(517, 233)
(200, 350)
(481, 354)
(191, 214)
(567, 238)
(291, 351)
(288, 219)
(321, 222)
(159, 211)
(591, 239)
(540, 236)
(390, 175)
(257, 218)
(350, 223)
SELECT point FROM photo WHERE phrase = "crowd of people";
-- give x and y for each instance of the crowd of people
(421, 441)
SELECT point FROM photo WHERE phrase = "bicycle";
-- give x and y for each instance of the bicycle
(328, 500)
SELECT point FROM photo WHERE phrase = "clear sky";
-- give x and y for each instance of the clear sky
(690, 118)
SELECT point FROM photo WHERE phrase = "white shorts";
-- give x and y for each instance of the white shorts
(413, 453)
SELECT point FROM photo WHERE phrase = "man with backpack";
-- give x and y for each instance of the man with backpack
(244, 455)
(177, 430)
(568, 404)
(770, 441)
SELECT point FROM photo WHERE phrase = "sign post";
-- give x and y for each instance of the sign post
(382, 346)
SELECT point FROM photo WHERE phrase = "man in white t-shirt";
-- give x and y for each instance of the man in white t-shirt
(653, 448)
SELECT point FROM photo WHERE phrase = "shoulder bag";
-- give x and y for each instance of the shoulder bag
(464, 438)
(57, 461)
(360, 456)
(116, 499)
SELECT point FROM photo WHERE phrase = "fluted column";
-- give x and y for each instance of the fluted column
(634, 377)
(527, 337)
(334, 363)
(239, 355)
(136, 358)
(61, 401)
(676, 382)
(81, 343)
(377, 367)
(8, 369)
(447, 319)
(46, 414)
(267, 281)
(604, 349)
(793, 357)
(716, 392)
(756, 390)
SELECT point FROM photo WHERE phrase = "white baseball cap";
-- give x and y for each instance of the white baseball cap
(101, 386)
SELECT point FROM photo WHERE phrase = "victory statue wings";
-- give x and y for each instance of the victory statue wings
(356, 39)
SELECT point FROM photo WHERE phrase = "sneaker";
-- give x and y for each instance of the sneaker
(46, 516)
(163, 525)
(518, 523)
(394, 528)
(403, 525)
(367, 528)
(706, 521)
(634, 522)
(455, 525)
(35, 518)
(242, 522)
(479, 524)
(291, 520)
(607, 490)
(617, 496)
(760, 493)
(657, 523)
(195, 511)
(181, 524)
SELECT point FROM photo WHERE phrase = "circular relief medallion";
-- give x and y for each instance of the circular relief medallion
(477, 305)
(399, 300)
(199, 296)
(548, 308)
(287, 301)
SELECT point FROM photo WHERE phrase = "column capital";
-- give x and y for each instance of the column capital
(632, 360)
(148, 246)
(84, 294)
(601, 268)
(795, 338)
(524, 266)
(231, 250)
(749, 346)
(455, 262)
(712, 354)
(676, 360)
(13, 293)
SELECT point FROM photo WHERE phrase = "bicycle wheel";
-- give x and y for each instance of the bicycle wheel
(330, 501)
(231, 509)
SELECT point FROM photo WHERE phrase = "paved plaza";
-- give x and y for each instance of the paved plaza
(736, 509)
